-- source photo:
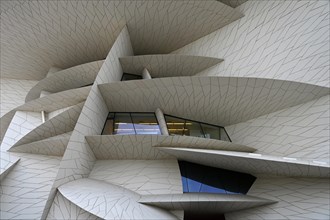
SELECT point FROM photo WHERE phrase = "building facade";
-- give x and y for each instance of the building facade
(165, 109)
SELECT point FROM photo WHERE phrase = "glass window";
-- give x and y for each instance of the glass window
(210, 131)
(145, 123)
(175, 126)
(123, 124)
(223, 135)
(193, 129)
(128, 76)
(108, 127)
(200, 178)
(181, 126)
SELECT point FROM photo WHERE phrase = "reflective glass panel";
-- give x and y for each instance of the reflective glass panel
(224, 135)
(108, 127)
(128, 76)
(193, 129)
(145, 123)
(123, 124)
(200, 178)
(210, 131)
(175, 126)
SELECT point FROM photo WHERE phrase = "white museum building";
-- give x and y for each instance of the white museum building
(165, 109)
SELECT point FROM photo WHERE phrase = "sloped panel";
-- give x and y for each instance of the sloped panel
(108, 201)
(167, 65)
(215, 100)
(53, 146)
(60, 124)
(256, 164)
(141, 147)
(62, 80)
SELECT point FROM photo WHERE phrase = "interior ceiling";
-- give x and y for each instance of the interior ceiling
(36, 35)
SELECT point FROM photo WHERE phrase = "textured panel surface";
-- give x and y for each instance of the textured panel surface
(71, 78)
(167, 65)
(60, 124)
(25, 189)
(141, 176)
(22, 123)
(7, 163)
(116, 147)
(36, 35)
(256, 164)
(53, 146)
(49, 103)
(78, 159)
(286, 40)
(12, 93)
(301, 131)
(297, 199)
(204, 202)
(215, 100)
(109, 201)
(64, 209)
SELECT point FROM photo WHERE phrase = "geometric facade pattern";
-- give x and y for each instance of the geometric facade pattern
(254, 73)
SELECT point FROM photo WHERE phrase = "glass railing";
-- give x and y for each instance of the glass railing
(186, 127)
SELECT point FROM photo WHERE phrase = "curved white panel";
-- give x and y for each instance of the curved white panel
(29, 54)
(204, 202)
(256, 164)
(108, 201)
(145, 177)
(60, 124)
(64, 209)
(48, 104)
(71, 78)
(215, 100)
(7, 162)
(167, 65)
(53, 146)
(141, 147)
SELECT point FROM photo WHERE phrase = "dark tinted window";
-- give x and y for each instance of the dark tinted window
(128, 76)
(204, 179)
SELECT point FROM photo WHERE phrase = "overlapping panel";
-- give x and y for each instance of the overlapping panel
(13, 92)
(49, 103)
(146, 177)
(167, 65)
(53, 146)
(286, 40)
(204, 202)
(108, 201)
(26, 187)
(71, 78)
(215, 100)
(60, 124)
(64, 209)
(116, 147)
(7, 162)
(256, 164)
(302, 131)
(298, 198)
(36, 35)
(78, 159)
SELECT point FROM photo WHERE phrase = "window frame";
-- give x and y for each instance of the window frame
(185, 120)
